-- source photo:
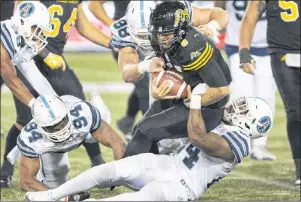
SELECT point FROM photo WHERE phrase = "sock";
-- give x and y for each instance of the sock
(7, 169)
(293, 131)
(133, 105)
(297, 164)
(93, 150)
(101, 176)
(260, 142)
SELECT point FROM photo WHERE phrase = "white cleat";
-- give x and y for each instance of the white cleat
(297, 183)
(261, 153)
(39, 196)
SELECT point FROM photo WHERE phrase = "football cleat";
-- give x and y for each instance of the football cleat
(297, 183)
(5, 182)
(261, 153)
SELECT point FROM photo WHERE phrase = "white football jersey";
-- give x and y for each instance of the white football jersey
(85, 119)
(236, 10)
(12, 41)
(200, 170)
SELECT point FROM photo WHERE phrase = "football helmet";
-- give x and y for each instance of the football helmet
(169, 23)
(137, 16)
(51, 115)
(32, 19)
(251, 114)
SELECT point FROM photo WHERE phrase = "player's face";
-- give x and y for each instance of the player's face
(165, 39)
(37, 35)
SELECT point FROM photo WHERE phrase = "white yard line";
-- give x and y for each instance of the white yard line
(245, 176)
(103, 87)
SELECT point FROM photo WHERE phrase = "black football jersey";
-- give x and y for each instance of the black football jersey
(64, 13)
(199, 61)
(283, 34)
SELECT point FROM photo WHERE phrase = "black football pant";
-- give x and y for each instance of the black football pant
(64, 83)
(288, 83)
(166, 120)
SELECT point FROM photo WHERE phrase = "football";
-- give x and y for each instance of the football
(179, 88)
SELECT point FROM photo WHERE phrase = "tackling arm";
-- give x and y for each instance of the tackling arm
(12, 81)
(108, 137)
(212, 144)
(96, 7)
(88, 30)
(29, 168)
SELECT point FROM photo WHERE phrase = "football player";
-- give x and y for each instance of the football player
(184, 177)
(64, 14)
(283, 37)
(59, 125)
(189, 52)
(130, 38)
(257, 82)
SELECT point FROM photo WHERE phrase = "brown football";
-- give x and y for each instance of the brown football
(179, 88)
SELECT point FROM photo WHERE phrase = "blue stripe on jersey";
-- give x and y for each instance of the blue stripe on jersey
(117, 43)
(142, 13)
(47, 106)
(7, 41)
(243, 137)
(239, 147)
(96, 118)
(26, 150)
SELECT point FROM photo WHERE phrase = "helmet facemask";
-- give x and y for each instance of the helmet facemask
(58, 132)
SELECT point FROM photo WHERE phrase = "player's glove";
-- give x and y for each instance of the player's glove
(245, 57)
(52, 60)
(77, 197)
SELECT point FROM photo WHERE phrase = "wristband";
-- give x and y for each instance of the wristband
(214, 26)
(144, 66)
(245, 56)
(44, 53)
(195, 102)
(30, 104)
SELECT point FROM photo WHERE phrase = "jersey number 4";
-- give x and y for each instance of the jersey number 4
(31, 128)
(192, 157)
(56, 23)
(293, 13)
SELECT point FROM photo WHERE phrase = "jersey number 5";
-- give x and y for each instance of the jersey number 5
(293, 14)
(56, 23)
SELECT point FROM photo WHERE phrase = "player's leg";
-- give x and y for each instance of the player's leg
(168, 124)
(23, 117)
(265, 88)
(288, 83)
(67, 83)
(158, 190)
(1, 84)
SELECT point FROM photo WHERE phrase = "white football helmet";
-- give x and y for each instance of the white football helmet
(51, 115)
(32, 19)
(251, 114)
(138, 16)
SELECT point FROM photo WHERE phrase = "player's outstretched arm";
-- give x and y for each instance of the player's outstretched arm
(253, 13)
(88, 30)
(132, 70)
(29, 168)
(12, 81)
(107, 136)
(96, 7)
(213, 144)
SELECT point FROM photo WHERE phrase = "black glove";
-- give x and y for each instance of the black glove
(245, 57)
(79, 196)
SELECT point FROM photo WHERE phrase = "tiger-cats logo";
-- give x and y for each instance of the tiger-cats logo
(181, 15)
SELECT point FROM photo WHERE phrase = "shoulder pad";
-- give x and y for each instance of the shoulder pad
(195, 50)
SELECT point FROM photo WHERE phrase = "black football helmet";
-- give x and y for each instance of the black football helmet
(169, 23)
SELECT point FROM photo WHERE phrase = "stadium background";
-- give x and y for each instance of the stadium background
(94, 65)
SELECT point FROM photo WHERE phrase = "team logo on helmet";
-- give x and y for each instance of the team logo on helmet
(181, 15)
(26, 10)
(264, 124)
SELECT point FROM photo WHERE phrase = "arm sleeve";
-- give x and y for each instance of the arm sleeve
(35, 78)
(6, 40)
(239, 143)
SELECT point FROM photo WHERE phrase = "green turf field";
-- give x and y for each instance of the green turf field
(251, 180)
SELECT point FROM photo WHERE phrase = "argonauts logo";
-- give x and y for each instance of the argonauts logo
(264, 124)
(26, 10)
